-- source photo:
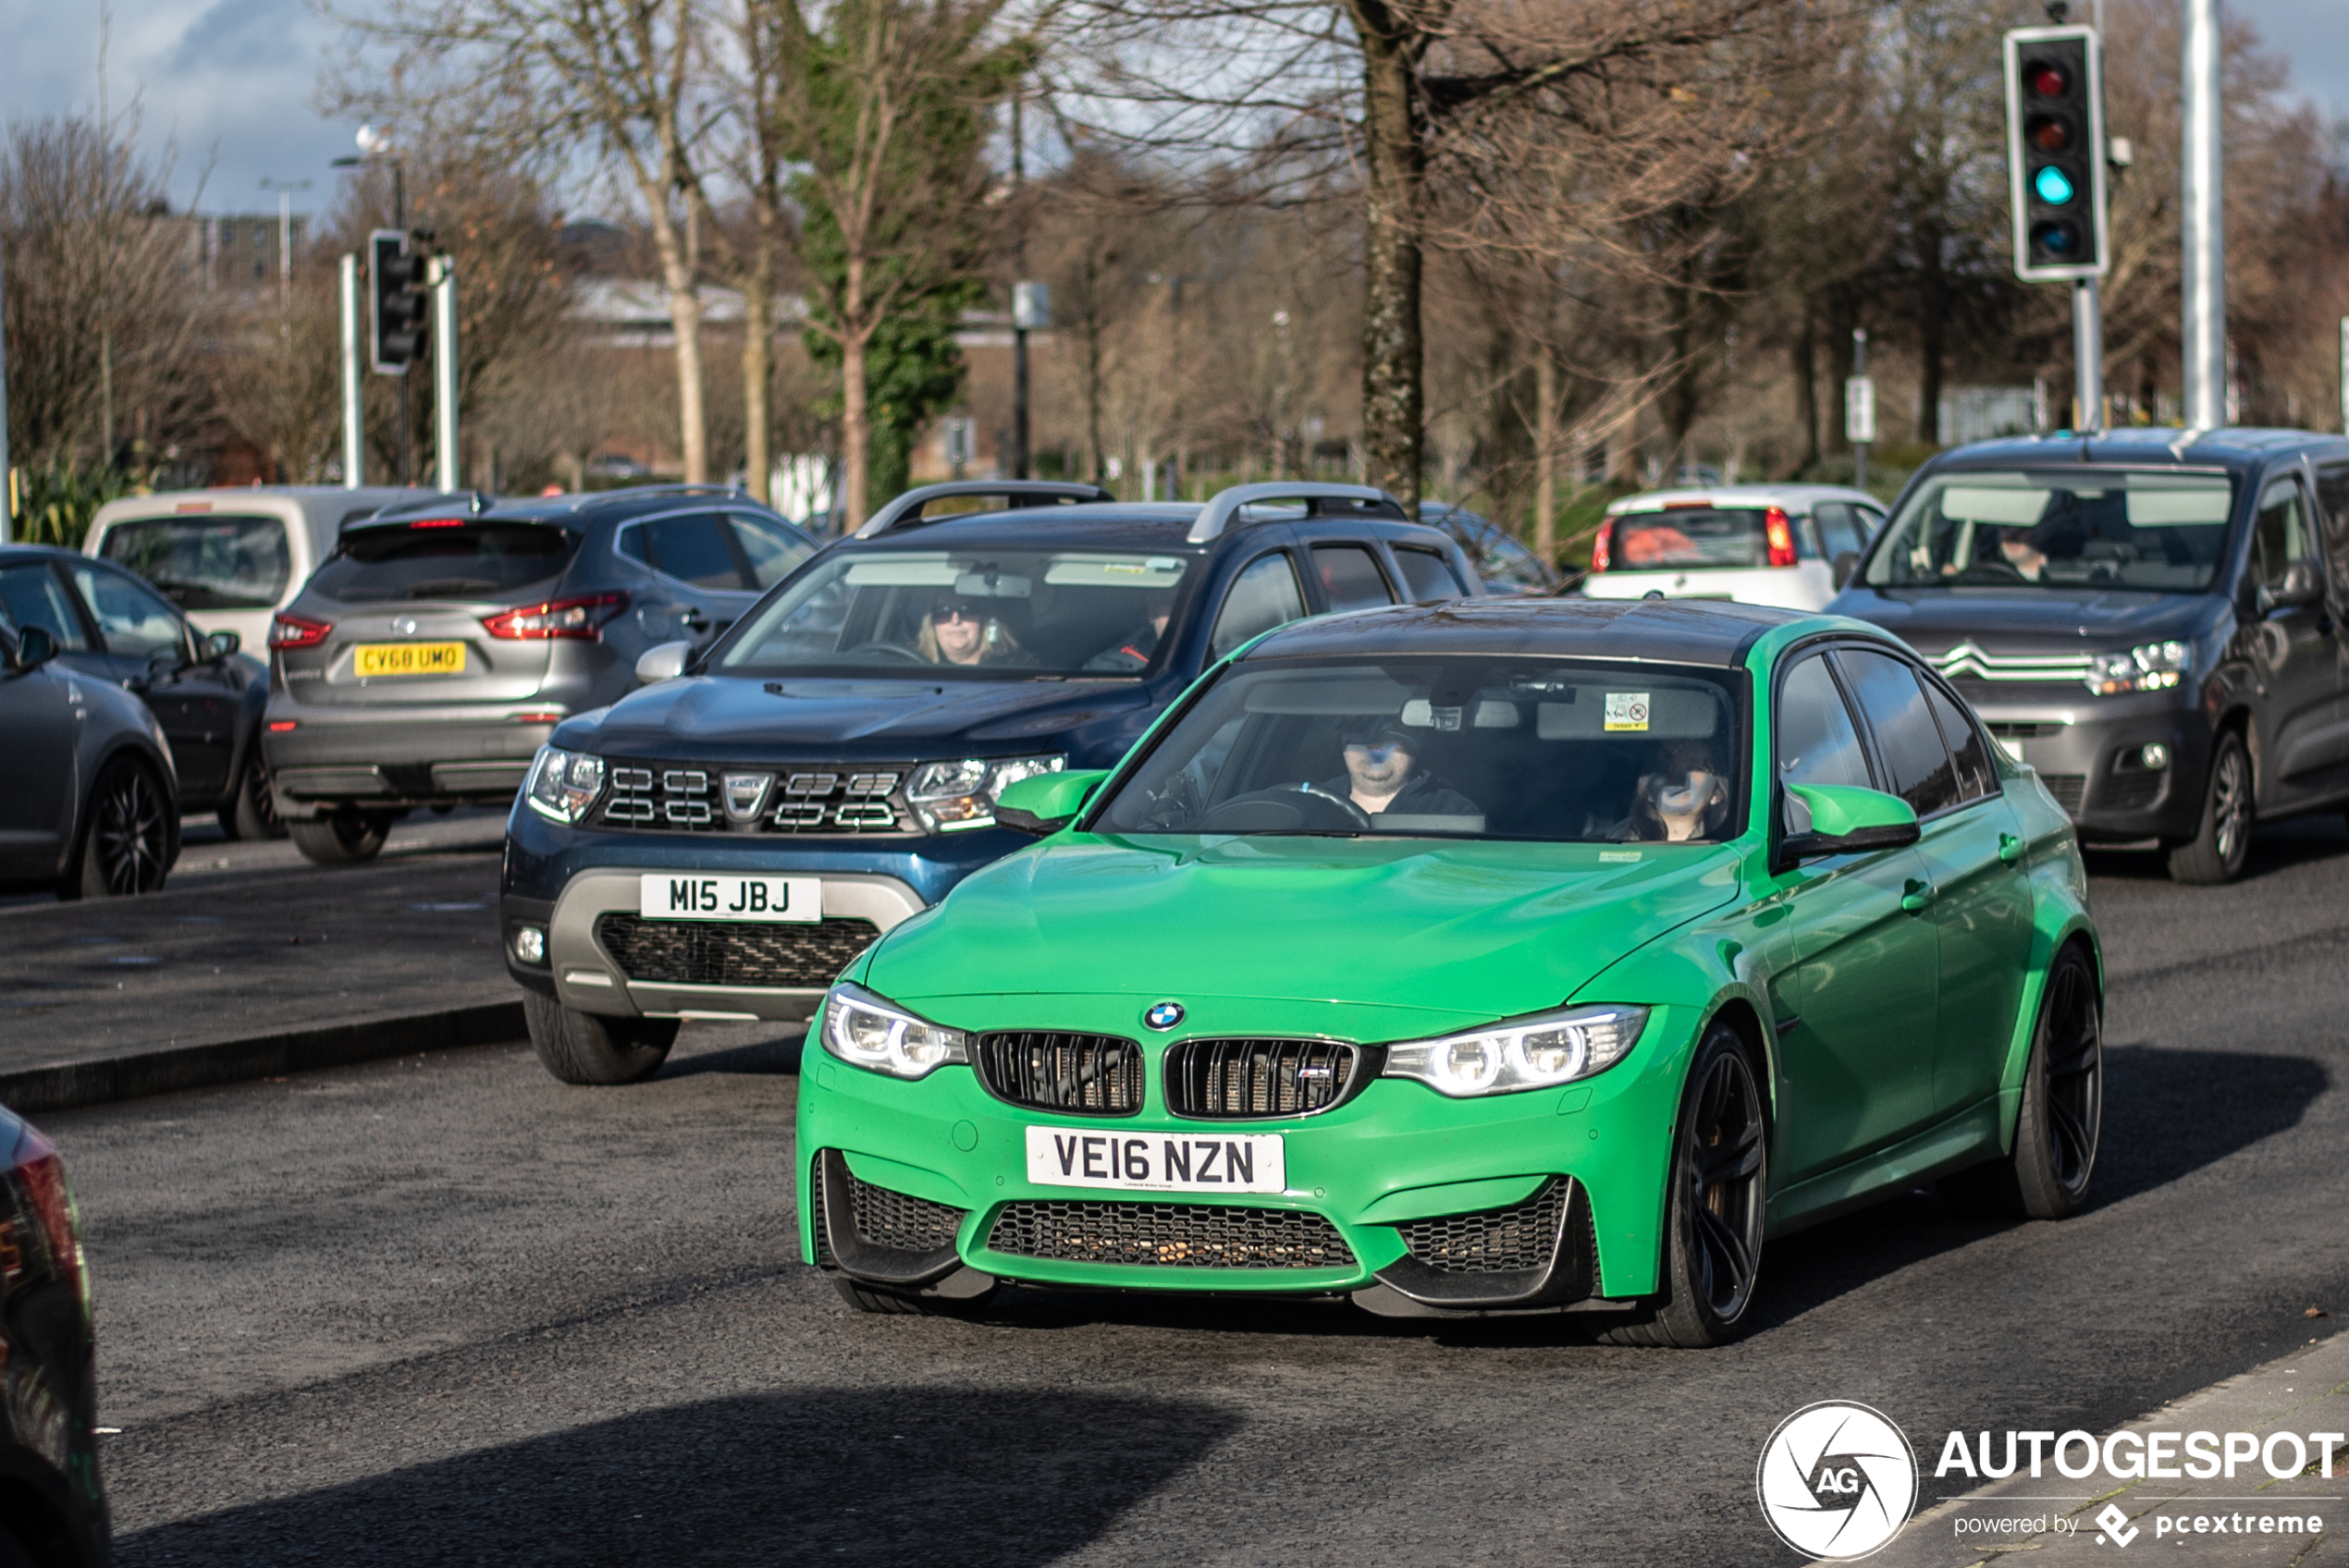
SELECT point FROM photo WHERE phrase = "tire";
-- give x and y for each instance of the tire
(250, 811)
(2220, 845)
(862, 1297)
(1713, 1210)
(346, 837)
(2057, 1127)
(587, 1048)
(127, 845)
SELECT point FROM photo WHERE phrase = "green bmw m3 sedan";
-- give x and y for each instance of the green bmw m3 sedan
(1490, 957)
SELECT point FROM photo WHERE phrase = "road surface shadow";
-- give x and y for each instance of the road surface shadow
(765, 1049)
(2274, 847)
(879, 1475)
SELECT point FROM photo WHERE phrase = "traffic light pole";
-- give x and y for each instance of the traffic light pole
(443, 281)
(2087, 354)
(354, 429)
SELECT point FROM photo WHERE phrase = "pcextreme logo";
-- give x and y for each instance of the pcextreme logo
(1837, 1480)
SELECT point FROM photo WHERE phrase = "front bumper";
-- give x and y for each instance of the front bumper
(2089, 751)
(459, 754)
(1372, 1186)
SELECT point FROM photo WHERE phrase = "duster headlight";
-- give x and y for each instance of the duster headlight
(868, 1031)
(1523, 1053)
(951, 797)
(563, 785)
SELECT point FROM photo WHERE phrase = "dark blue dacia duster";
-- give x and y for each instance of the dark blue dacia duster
(720, 843)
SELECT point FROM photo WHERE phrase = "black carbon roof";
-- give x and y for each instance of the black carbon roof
(1707, 631)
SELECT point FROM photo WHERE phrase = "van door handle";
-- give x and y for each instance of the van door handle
(2009, 848)
(1916, 895)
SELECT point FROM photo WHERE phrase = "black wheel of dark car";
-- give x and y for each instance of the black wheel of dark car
(2217, 851)
(345, 837)
(1719, 1183)
(12, 1551)
(587, 1048)
(126, 834)
(877, 1299)
(2057, 1127)
(251, 811)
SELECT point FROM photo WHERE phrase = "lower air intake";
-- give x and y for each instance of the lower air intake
(900, 1222)
(1176, 1235)
(1501, 1241)
(720, 952)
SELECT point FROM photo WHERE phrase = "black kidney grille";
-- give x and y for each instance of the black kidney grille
(897, 1220)
(1169, 1235)
(721, 952)
(1501, 1241)
(1089, 1074)
(1242, 1080)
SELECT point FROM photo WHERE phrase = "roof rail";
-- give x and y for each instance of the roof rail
(1224, 508)
(629, 492)
(473, 501)
(905, 511)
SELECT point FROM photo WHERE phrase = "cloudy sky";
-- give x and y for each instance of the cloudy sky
(230, 82)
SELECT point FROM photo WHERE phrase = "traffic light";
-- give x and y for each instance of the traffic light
(2055, 153)
(397, 281)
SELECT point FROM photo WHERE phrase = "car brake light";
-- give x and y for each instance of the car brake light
(279, 725)
(1602, 547)
(439, 522)
(296, 632)
(39, 1181)
(558, 618)
(1780, 534)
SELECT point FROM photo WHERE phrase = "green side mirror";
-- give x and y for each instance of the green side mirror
(1846, 819)
(1047, 803)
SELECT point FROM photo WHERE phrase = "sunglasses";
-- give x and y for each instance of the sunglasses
(954, 612)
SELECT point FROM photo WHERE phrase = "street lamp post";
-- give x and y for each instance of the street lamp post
(284, 190)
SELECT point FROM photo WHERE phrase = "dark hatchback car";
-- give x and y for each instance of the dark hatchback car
(717, 846)
(2152, 619)
(208, 695)
(428, 659)
(52, 1509)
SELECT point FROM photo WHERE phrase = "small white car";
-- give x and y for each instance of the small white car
(1785, 544)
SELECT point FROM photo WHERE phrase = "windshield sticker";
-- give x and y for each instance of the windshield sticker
(1618, 857)
(1626, 710)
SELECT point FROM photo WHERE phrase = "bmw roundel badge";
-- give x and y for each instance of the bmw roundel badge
(1163, 1015)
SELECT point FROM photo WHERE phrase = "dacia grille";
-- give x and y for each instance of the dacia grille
(723, 953)
(1086, 1074)
(1250, 1080)
(1172, 1235)
(802, 799)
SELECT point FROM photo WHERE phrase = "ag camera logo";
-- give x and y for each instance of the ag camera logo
(1837, 1480)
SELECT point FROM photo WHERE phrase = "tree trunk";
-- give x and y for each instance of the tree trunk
(856, 413)
(1804, 352)
(1394, 166)
(1933, 312)
(1546, 426)
(684, 319)
(758, 370)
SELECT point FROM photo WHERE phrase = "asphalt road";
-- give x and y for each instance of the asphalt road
(445, 1310)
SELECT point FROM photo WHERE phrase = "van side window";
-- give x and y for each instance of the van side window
(2332, 507)
(2281, 535)
(1350, 579)
(1262, 596)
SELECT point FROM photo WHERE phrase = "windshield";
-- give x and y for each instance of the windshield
(207, 562)
(2107, 528)
(1450, 747)
(432, 559)
(983, 612)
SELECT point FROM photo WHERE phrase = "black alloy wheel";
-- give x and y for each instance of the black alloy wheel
(251, 811)
(2222, 842)
(346, 836)
(1718, 1196)
(2061, 1118)
(126, 846)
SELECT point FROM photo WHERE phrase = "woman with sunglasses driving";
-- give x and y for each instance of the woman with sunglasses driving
(958, 631)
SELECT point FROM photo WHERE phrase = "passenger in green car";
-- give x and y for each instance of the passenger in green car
(1686, 799)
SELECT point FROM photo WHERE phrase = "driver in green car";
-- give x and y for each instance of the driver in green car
(1382, 774)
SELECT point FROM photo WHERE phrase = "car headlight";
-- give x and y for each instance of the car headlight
(1524, 1053)
(563, 785)
(951, 797)
(2153, 666)
(861, 1028)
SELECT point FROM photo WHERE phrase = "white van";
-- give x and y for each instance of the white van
(1784, 545)
(229, 558)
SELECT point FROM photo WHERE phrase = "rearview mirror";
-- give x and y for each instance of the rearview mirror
(220, 644)
(1047, 803)
(663, 661)
(35, 648)
(1846, 819)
